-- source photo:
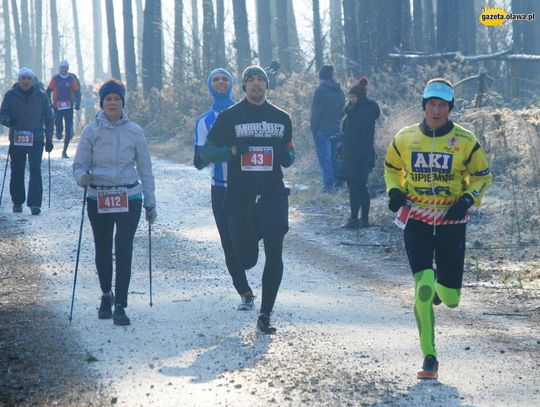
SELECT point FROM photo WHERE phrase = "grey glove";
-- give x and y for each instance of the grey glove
(151, 214)
(85, 180)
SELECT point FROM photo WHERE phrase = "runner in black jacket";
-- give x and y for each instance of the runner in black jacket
(258, 137)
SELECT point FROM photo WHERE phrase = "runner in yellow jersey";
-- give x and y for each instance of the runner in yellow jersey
(435, 171)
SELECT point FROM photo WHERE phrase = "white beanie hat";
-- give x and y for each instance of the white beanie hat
(63, 64)
(24, 71)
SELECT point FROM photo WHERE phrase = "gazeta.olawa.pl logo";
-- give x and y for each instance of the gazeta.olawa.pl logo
(497, 16)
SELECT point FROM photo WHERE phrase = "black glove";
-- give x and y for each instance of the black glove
(49, 146)
(284, 157)
(459, 209)
(12, 122)
(198, 161)
(397, 199)
(76, 106)
(240, 147)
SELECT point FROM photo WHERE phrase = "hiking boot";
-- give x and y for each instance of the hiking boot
(430, 369)
(119, 316)
(364, 224)
(105, 308)
(352, 223)
(36, 210)
(17, 208)
(263, 325)
(247, 303)
(64, 154)
(58, 136)
(436, 300)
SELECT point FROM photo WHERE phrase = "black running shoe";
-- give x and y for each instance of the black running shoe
(105, 308)
(263, 325)
(17, 208)
(64, 154)
(436, 300)
(119, 316)
(36, 210)
(247, 303)
(430, 369)
(352, 223)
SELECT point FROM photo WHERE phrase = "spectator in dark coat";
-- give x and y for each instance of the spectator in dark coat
(357, 151)
(326, 112)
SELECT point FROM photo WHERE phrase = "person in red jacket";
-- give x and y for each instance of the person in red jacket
(66, 96)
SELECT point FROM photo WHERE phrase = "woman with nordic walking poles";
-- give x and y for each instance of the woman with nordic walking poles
(113, 162)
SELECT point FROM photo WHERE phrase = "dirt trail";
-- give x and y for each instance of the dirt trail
(346, 332)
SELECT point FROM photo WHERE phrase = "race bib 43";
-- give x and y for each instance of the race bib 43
(258, 159)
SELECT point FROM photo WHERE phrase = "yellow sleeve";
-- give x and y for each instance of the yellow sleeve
(480, 177)
(394, 168)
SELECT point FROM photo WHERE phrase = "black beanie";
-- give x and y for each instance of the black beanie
(112, 86)
(253, 70)
(326, 72)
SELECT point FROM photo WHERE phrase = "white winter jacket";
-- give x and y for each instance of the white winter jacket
(115, 154)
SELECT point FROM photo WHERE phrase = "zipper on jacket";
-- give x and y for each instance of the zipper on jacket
(433, 182)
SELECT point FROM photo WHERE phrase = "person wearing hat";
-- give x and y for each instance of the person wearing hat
(27, 112)
(272, 74)
(255, 138)
(435, 172)
(64, 89)
(220, 84)
(113, 162)
(325, 120)
(357, 151)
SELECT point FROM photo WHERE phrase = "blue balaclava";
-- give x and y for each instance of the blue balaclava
(221, 101)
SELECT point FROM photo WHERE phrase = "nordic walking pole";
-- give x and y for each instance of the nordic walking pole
(150, 258)
(4, 181)
(49, 179)
(78, 253)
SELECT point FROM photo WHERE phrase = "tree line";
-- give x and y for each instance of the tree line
(356, 36)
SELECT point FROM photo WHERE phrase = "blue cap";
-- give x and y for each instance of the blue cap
(439, 90)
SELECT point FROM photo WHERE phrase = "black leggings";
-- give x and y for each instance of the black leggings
(359, 196)
(103, 227)
(237, 273)
(448, 246)
(251, 219)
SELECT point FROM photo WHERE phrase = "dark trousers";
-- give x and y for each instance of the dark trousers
(102, 228)
(251, 219)
(237, 273)
(59, 117)
(18, 163)
(359, 196)
(448, 246)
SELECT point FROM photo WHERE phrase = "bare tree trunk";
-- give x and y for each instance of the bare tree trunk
(466, 27)
(429, 25)
(243, 48)
(336, 37)
(77, 41)
(8, 66)
(351, 37)
(140, 25)
(17, 29)
(196, 41)
(179, 47)
(447, 21)
(98, 37)
(38, 64)
(418, 34)
(129, 47)
(282, 31)
(209, 34)
(404, 36)
(113, 48)
(368, 36)
(25, 34)
(317, 38)
(220, 34)
(264, 32)
(152, 56)
(293, 39)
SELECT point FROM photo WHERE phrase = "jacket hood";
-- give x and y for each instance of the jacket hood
(101, 120)
(17, 89)
(220, 101)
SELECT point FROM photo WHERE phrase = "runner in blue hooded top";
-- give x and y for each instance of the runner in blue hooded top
(220, 83)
